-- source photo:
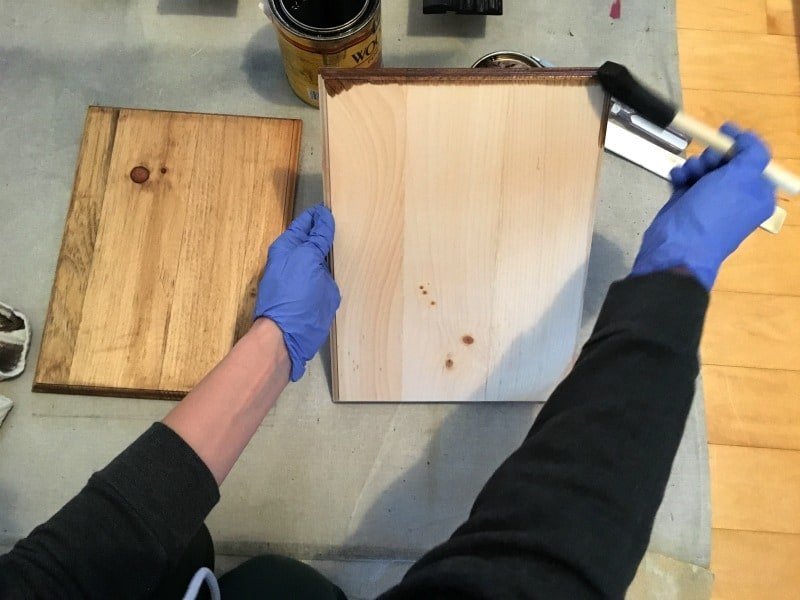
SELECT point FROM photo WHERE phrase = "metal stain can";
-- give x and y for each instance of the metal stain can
(506, 59)
(325, 33)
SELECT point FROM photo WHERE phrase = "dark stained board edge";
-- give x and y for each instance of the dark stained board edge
(339, 80)
(192, 112)
(85, 207)
(112, 392)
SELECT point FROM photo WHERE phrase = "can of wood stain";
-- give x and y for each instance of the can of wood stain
(324, 33)
(506, 59)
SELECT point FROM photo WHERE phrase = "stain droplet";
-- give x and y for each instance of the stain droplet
(140, 174)
(163, 170)
(468, 340)
(449, 363)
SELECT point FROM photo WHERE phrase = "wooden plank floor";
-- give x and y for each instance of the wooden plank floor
(740, 60)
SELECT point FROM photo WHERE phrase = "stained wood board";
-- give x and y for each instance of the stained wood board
(156, 280)
(464, 204)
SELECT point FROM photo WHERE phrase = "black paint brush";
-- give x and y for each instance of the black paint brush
(618, 81)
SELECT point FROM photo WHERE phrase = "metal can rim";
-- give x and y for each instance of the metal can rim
(335, 29)
(314, 33)
(523, 58)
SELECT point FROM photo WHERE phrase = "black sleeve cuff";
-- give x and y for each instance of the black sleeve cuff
(667, 308)
(166, 483)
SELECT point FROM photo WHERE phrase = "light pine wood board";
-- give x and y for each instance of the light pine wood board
(739, 62)
(755, 489)
(783, 17)
(723, 15)
(752, 407)
(156, 280)
(752, 330)
(464, 212)
(750, 565)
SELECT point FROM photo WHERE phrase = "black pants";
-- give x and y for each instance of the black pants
(267, 576)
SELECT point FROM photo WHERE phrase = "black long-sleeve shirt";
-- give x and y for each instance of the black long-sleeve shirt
(568, 515)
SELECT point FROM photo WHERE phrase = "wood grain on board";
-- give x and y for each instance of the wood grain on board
(739, 62)
(464, 206)
(754, 564)
(755, 489)
(156, 279)
(752, 407)
(752, 330)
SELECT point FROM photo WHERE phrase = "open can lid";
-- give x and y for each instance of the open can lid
(323, 16)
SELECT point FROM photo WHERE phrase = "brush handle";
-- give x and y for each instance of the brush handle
(781, 177)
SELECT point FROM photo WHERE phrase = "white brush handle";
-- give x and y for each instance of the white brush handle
(789, 182)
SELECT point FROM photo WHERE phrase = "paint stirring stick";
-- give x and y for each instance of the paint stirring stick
(618, 81)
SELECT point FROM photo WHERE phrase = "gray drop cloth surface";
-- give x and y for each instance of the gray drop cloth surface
(318, 481)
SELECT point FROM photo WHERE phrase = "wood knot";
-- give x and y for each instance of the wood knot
(449, 363)
(140, 174)
(468, 340)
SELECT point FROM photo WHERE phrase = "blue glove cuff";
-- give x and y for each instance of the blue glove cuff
(298, 364)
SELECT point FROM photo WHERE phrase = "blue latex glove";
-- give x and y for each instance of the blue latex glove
(297, 291)
(714, 206)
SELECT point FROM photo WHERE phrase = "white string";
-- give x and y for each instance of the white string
(203, 575)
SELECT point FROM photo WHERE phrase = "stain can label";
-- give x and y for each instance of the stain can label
(303, 57)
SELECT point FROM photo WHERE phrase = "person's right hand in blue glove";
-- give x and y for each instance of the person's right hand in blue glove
(713, 208)
(297, 291)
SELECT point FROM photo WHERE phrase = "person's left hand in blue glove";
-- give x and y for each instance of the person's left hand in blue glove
(297, 291)
(297, 299)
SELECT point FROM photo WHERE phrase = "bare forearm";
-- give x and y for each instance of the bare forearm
(221, 414)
